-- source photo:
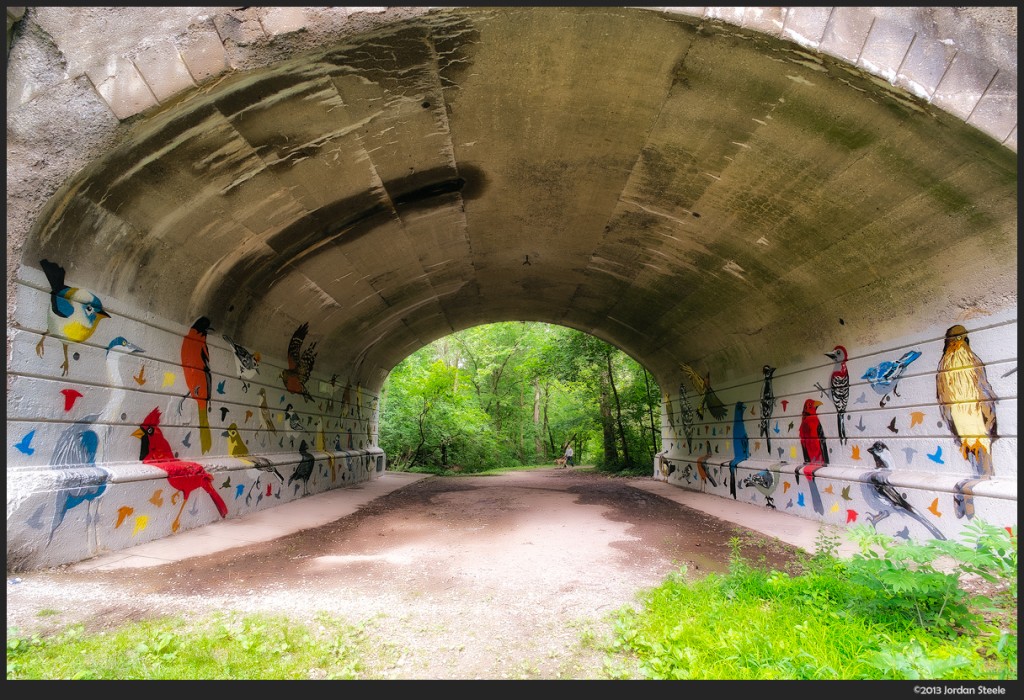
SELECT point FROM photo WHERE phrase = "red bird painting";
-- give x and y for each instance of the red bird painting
(812, 440)
(300, 363)
(195, 364)
(186, 477)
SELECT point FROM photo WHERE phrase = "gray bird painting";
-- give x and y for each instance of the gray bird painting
(81, 481)
(884, 498)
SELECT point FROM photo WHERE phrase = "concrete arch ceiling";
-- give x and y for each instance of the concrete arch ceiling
(686, 190)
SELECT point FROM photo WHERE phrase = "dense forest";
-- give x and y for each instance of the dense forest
(516, 393)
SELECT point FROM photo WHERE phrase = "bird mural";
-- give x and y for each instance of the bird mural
(767, 406)
(237, 449)
(73, 315)
(709, 400)
(702, 466)
(300, 363)
(812, 441)
(883, 497)
(885, 376)
(967, 405)
(266, 418)
(25, 444)
(686, 418)
(123, 345)
(247, 363)
(740, 444)
(764, 481)
(81, 480)
(195, 364)
(305, 468)
(839, 388)
(184, 476)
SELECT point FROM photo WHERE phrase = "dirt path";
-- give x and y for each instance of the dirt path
(467, 578)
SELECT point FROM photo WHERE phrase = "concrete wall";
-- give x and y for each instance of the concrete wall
(77, 481)
(753, 451)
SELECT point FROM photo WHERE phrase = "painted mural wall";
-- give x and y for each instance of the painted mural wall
(914, 437)
(124, 427)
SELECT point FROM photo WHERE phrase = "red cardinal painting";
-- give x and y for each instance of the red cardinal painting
(195, 363)
(186, 477)
(812, 440)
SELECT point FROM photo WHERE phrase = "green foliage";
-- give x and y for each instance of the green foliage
(923, 582)
(508, 394)
(829, 621)
(220, 647)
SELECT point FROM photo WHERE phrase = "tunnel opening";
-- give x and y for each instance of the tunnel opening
(519, 393)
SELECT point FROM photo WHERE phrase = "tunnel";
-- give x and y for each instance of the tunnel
(226, 226)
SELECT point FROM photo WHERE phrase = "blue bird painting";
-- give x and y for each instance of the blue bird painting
(82, 481)
(25, 444)
(73, 314)
(740, 444)
(885, 376)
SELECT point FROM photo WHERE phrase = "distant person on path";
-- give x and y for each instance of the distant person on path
(568, 455)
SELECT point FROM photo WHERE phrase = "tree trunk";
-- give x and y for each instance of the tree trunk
(611, 453)
(538, 436)
(618, 410)
(650, 412)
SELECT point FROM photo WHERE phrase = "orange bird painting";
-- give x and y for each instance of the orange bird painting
(195, 364)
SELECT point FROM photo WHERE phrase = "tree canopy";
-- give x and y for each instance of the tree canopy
(516, 393)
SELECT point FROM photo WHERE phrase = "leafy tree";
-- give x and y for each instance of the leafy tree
(517, 393)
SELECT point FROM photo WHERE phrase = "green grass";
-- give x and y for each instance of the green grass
(223, 646)
(835, 620)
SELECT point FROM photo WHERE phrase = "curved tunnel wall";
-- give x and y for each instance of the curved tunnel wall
(706, 197)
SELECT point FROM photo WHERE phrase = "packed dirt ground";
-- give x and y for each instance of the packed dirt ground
(516, 576)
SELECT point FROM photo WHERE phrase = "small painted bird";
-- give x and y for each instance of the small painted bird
(195, 364)
(767, 406)
(740, 444)
(267, 419)
(967, 404)
(238, 449)
(73, 314)
(184, 476)
(686, 418)
(885, 376)
(300, 363)
(81, 481)
(247, 363)
(764, 481)
(305, 468)
(884, 497)
(812, 441)
(839, 388)
(708, 398)
(123, 344)
(702, 466)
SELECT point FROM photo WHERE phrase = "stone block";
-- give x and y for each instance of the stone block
(846, 33)
(963, 85)
(768, 20)
(164, 70)
(996, 111)
(806, 25)
(283, 20)
(203, 53)
(886, 47)
(122, 87)
(732, 15)
(925, 64)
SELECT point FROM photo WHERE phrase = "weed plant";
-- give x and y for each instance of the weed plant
(893, 611)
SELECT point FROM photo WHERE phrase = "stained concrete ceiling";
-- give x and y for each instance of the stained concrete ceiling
(686, 190)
